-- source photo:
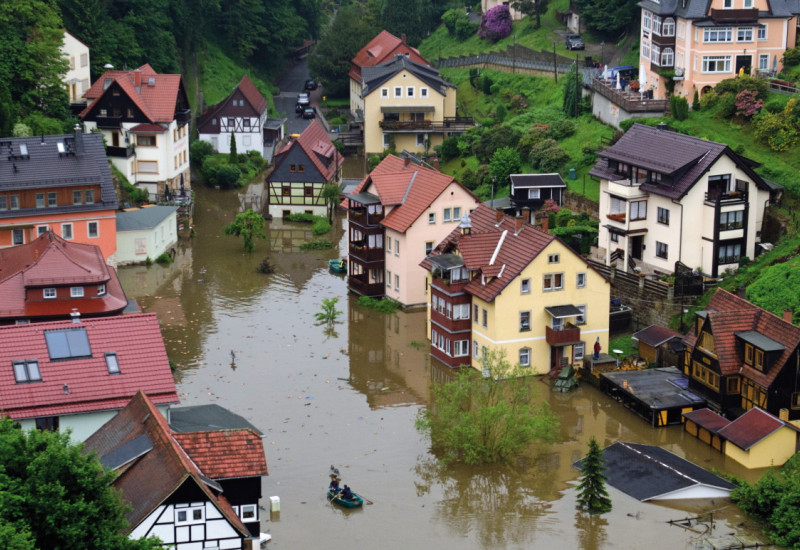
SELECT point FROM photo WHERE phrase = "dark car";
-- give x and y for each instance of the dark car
(574, 42)
(309, 113)
(311, 84)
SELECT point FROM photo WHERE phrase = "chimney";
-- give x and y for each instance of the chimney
(76, 316)
(741, 292)
(436, 164)
(518, 223)
(403, 38)
(787, 315)
(137, 78)
(526, 215)
(498, 216)
(406, 162)
(78, 140)
(545, 224)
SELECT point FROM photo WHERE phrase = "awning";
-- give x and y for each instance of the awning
(364, 198)
(407, 108)
(447, 262)
(561, 312)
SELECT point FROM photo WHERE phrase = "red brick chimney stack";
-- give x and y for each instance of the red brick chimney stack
(499, 215)
(406, 162)
(137, 78)
(787, 315)
(403, 38)
(518, 224)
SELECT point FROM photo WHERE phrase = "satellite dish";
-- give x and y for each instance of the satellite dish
(678, 71)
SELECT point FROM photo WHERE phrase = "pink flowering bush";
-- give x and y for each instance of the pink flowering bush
(495, 23)
(550, 206)
(746, 103)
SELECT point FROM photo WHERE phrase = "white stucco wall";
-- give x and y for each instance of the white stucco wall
(137, 246)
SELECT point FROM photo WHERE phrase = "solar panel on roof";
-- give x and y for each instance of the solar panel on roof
(125, 453)
(71, 343)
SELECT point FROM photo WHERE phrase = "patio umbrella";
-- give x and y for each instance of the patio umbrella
(183, 190)
(619, 87)
(774, 63)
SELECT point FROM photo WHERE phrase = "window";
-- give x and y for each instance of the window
(147, 166)
(396, 247)
(397, 282)
(423, 92)
(717, 34)
(733, 385)
(39, 200)
(553, 281)
(457, 213)
(389, 246)
(681, 30)
(744, 34)
(52, 199)
(145, 140)
(13, 201)
(534, 194)
(93, 229)
(716, 63)
(292, 168)
(729, 253)
(420, 140)
(646, 19)
(384, 92)
(727, 4)
(41, 230)
(668, 29)
(49, 293)
(388, 278)
(656, 24)
(387, 141)
(431, 218)
(763, 62)
(655, 54)
(47, 423)
(410, 91)
(645, 49)
(613, 237)
(301, 168)
(580, 280)
(525, 286)
(663, 215)
(662, 250)
(731, 220)
(578, 351)
(398, 91)
(249, 512)
(189, 515)
(71, 343)
(475, 314)
(747, 4)
(525, 357)
(460, 348)
(667, 57)
(66, 231)
(77, 197)
(17, 237)
(705, 375)
(286, 191)
(27, 371)
(475, 349)
(76, 291)
(524, 321)
(581, 319)
(460, 312)
(446, 215)
(101, 290)
(308, 191)
(112, 363)
(484, 318)
(638, 210)
(762, 32)
(553, 258)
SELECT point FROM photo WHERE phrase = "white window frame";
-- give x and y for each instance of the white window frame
(727, 4)
(667, 57)
(744, 34)
(657, 24)
(386, 141)
(549, 282)
(446, 215)
(534, 194)
(718, 35)
(645, 50)
(49, 293)
(708, 60)
(460, 348)
(388, 279)
(396, 247)
(112, 363)
(681, 30)
(580, 280)
(646, 20)
(485, 318)
(431, 218)
(66, 232)
(668, 27)
(578, 351)
(420, 140)
(89, 229)
(525, 357)
(581, 319)
(190, 519)
(398, 91)
(762, 31)
(101, 289)
(475, 349)
(40, 200)
(655, 54)
(397, 282)
(456, 213)
(525, 321)
(763, 62)
(76, 292)
(410, 91)
(747, 4)
(248, 508)
(423, 92)
(525, 286)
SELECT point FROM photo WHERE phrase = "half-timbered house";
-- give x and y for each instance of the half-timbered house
(302, 168)
(189, 489)
(241, 114)
(740, 356)
(144, 118)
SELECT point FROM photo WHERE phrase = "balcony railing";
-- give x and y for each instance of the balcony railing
(366, 254)
(184, 116)
(108, 122)
(726, 197)
(120, 152)
(357, 284)
(630, 101)
(449, 124)
(363, 219)
(570, 334)
(450, 286)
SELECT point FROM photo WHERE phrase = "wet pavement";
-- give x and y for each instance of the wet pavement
(291, 83)
(348, 394)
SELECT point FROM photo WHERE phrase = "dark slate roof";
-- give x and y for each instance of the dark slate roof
(202, 418)
(44, 167)
(655, 335)
(668, 152)
(536, 180)
(700, 9)
(560, 312)
(660, 389)
(760, 341)
(647, 472)
(143, 218)
(373, 77)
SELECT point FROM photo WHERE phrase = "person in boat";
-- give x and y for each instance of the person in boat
(346, 493)
(334, 486)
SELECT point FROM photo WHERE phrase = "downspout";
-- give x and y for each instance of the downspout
(680, 233)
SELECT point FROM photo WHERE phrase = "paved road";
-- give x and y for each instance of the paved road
(290, 83)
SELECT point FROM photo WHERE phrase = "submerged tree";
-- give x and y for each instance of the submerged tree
(329, 312)
(331, 193)
(592, 494)
(481, 420)
(249, 225)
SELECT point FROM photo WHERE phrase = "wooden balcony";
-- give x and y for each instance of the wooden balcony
(358, 284)
(108, 122)
(366, 254)
(450, 287)
(360, 217)
(449, 124)
(184, 116)
(120, 152)
(570, 334)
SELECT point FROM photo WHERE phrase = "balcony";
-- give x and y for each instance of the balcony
(618, 217)
(570, 334)
(632, 102)
(361, 217)
(120, 152)
(450, 287)
(449, 124)
(109, 122)
(727, 198)
(358, 284)
(365, 253)
(184, 116)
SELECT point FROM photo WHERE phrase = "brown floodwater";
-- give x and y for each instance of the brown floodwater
(348, 394)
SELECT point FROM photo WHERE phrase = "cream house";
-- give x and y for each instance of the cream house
(408, 106)
(77, 76)
(705, 42)
(667, 197)
(146, 233)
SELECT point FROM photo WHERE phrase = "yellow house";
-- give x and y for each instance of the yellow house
(500, 284)
(756, 439)
(408, 106)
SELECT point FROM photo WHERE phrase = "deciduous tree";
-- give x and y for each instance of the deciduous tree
(609, 17)
(249, 226)
(332, 194)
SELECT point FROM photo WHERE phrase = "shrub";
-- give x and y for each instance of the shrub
(321, 226)
(486, 85)
(449, 148)
(265, 267)
(726, 106)
(198, 151)
(494, 139)
(500, 113)
(495, 23)
(227, 176)
(385, 305)
(774, 106)
(518, 103)
(696, 101)
(791, 57)
(505, 162)
(736, 85)
(465, 28)
(548, 156)
(746, 104)
(679, 107)
(708, 100)
(317, 244)
(165, 258)
(561, 129)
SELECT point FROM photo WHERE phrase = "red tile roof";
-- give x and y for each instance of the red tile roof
(708, 419)
(655, 335)
(751, 427)
(157, 102)
(50, 261)
(380, 49)
(148, 128)
(408, 187)
(252, 95)
(153, 477)
(226, 454)
(729, 314)
(318, 148)
(142, 361)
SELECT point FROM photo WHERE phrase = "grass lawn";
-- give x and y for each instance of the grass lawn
(219, 74)
(623, 343)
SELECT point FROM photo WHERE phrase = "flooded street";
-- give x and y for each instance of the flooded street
(347, 395)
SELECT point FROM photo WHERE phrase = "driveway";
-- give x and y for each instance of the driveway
(291, 83)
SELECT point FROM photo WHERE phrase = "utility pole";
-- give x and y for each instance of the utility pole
(555, 65)
(577, 88)
(514, 66)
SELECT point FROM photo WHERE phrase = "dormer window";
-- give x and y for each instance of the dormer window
(112, 363)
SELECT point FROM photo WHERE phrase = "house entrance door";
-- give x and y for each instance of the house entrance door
(115, 139)
(636, 247)
(555, 357)
(744, 62)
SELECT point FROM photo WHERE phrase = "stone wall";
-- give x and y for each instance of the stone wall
(579, 203)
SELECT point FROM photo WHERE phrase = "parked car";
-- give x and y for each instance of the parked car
(302, 97)
(309, 113)
(311, 84)
(574, 42)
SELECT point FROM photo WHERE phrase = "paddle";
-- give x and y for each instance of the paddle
(368, 501)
